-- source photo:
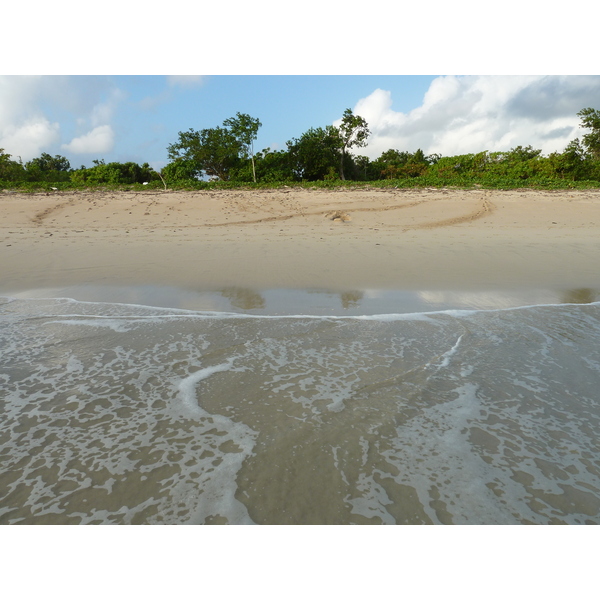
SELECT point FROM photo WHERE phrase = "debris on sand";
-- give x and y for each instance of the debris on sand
(338, 216)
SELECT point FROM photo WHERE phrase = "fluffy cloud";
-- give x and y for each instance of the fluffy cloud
(24, 130)
(474, 113)
(29, 139)
(99, 140)
(86, 107)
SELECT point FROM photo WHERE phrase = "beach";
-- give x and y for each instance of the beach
(296, 356)
(287, 238)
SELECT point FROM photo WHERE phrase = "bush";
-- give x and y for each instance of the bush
(114, 173)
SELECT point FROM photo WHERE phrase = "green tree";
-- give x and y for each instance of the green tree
(520, 154)
(315, 153)
(114, 173)
(50, 163)
(362, 167)
(181, 169)
(572, 164)
(515, 164)
(10, 170)
(245, 129)
(389, 163)
(393, 164)
(48, 168)
(214, 152)
(590, 119)
(353, 131)
(271, 166)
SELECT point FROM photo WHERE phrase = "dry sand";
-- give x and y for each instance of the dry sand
(290, 238)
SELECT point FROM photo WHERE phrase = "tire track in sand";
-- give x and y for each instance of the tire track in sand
(316, 212)
(486, 208)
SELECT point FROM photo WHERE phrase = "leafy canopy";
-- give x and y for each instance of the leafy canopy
(315, 153)
(214, 152)
(590, 119)
(245, 129)
(48, 163)
(353, 131)
(217, 151)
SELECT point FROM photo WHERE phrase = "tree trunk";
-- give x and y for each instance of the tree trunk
(252, 157)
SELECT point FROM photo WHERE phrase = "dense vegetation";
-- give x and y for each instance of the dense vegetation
(224, 157)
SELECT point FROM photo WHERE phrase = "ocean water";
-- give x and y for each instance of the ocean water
(129, 414)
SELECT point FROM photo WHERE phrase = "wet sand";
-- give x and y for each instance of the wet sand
(292, 238)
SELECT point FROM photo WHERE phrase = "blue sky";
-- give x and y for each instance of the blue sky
(134, 118)
(447, 77)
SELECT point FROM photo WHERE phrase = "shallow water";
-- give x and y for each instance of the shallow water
(122, 413)
(312, 301)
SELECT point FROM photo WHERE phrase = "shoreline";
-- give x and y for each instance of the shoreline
(402, 240)
(283, 302)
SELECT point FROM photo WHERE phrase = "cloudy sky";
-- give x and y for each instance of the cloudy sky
(134, 118)
(455, 79)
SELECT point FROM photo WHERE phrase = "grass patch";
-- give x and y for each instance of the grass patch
(426, 181)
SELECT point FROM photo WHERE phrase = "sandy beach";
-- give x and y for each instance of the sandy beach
(300, 357)
(296, 238)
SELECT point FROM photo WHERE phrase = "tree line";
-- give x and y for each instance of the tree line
(323, 154)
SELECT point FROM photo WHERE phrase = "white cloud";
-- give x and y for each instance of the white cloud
(467, 114)
(99, 140)
(27, 102)
(24, 130)
(29, 139)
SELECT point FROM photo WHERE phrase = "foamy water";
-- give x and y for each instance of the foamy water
(119, 413)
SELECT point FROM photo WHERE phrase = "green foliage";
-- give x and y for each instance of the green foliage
(114, 173)
(320, 157)
(245, 129)
(361, 168)
(574, 163)
(590, 119)
(10, 170)
(181, 169)
(394, 164)
(48, 168)
(314, 153)
(323, 155)
(219, 151)
(520, 154)
(213, 151)
(318, 152)
(353, 131)
(270, 166)
(49, 163)
(274, 166)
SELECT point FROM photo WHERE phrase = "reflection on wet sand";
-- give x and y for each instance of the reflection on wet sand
(315, 301)
(580, 296)
(243, 298)
(351, 299)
